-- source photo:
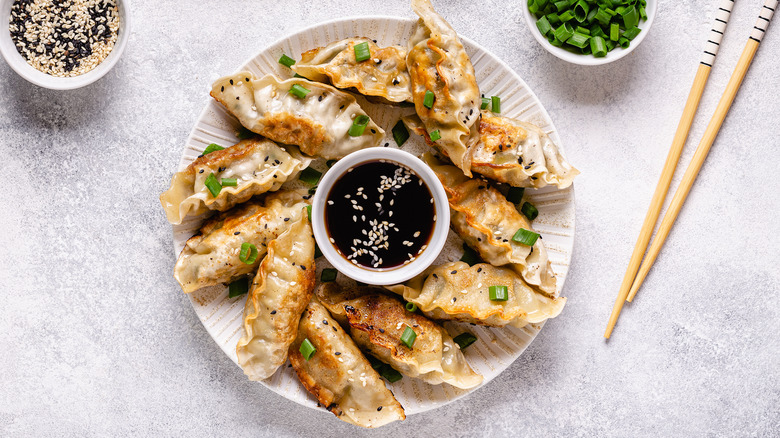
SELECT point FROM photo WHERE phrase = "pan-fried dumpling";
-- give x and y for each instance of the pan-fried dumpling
(454, 291)
(512, 152)
(438, 63)
(318, 123)
(519, 154)
(338, 374)
(213, 255)
(282, 288)
(383, 75)
(486, 221)
(259, 165)
(377, 322)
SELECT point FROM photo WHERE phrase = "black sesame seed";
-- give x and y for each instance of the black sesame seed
(231, 82)
(325, 321)
(454, 272)
(222, 89)
(479, 269)
(319, 99)
(379, 408)
(201, 170)
(273, 312)
(286, 219)
(237, 233)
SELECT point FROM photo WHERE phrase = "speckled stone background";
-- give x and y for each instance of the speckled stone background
(97, 339)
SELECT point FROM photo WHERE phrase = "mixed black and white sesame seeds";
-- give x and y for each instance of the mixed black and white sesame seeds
(379, 215)
(64, 38)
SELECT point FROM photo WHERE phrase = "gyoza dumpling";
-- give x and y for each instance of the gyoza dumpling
(258, 165)
(383, 75)
(280, 291)
(377, 322)
(459, 292)
(512, 152)
(338, 374)
(318, 123)
(519, 154)
(213, 255)
(486, 221)
(438, 63)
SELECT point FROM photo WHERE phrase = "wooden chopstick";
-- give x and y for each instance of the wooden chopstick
(706, 142)
(683, 128)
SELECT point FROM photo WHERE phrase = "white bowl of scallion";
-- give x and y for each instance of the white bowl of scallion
(590, 32)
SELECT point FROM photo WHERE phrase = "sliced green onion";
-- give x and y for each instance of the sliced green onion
(248, 254)
(464, 340)
(529, 211)
(566, 16)
(384, 369)
(244, 133)
(515, 195)
(428, 99)
(624, 42)
(561, 5)
(362, 52)
(495, 104)
(435, 135)
(317, 252)
(358, 126)
(485, 103)
(470, 256)
(598, 47)
(286, 61)
(299, 91)
(498, 293)
(307, 349)
(582, 30)
(238, 287)
(213, 185)
(564, 32)
(642, 13)
(631, 33)
(630, 17)
(596, 31)
(614, 31)
(400, 133)
(408, 337)
(308, 212)
(411, 307)
(578, 40)
(525, 237)
(229, 182)
(213, 147)
(603, 17)
(553, 18)
(610, 45)
(310, 176)
(544, 25)
(581, 10)
(328, 275)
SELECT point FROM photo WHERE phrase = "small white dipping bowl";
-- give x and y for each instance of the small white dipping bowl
(576, 58)
(396, 274)
(41, 79)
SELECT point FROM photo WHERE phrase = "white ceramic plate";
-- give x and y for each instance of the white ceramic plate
(496, 349)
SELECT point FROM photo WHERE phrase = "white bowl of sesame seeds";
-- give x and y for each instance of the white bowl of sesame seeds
(380, 216)
(63, 46)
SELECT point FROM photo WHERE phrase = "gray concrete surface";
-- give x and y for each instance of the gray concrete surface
(98, 340)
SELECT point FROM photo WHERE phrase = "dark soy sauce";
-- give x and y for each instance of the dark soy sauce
(380, 215)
